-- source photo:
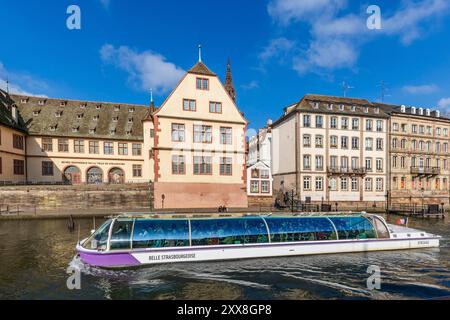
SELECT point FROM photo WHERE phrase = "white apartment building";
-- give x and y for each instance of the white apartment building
(259, 182)
(331, 149)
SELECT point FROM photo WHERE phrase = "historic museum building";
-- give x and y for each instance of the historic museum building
(192, 148)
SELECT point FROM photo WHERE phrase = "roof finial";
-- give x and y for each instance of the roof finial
(199, 53)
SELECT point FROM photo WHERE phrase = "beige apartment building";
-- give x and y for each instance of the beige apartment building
(331, 149)
(419, 155)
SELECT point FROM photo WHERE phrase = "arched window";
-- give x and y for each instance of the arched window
(94, 176)
(116, 176)
(72, 175)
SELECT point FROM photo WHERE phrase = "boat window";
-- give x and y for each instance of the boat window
(160, 233)
(99, 239)
(382, 230)
(353, 228)
(228, 231)
(300, 229)
(121, 234)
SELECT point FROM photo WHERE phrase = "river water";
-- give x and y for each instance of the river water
(34, 256)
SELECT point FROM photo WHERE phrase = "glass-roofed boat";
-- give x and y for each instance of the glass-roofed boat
(133, 240)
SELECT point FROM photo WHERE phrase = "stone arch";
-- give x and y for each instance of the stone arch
(116, 175)
(94, 175)
(71, 175)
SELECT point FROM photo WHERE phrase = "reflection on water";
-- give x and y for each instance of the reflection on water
(34, 257)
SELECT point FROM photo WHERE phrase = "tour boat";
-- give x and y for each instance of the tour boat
(134, 240)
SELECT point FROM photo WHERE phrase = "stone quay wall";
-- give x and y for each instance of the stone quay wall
(29, 198)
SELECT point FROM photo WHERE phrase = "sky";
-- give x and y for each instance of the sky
(280, 50)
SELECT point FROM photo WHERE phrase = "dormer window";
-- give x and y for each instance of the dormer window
(330, 106)
(131, 110)
(24, 100)
(413, 110)
(53, 128)
(83, 105)
(92, 131)
(130, 120)
(63, 103)
(316, 105)
(428, 112)
(36, 112)
(403, 109)
(41, 102)
(117, 108)
(341, 107)
(113, 132)
(128, 133)
(96, 117)
(438, 113)
(98, 107)
(421, 111)
(353, 108)
(80, 116)
(115, 119)
(366, 109)
(75, 129)
(58, 114)
(377, 110)
(202, 84)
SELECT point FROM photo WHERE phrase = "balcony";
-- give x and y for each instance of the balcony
(346, 171)
(426, 171)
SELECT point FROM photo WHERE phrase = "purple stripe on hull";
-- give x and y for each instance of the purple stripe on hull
(109, 260)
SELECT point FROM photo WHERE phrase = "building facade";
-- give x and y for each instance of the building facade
(192, 148)
(199, 145)
(259, 163)
(12, 143)
(331, 149)
(419, 156)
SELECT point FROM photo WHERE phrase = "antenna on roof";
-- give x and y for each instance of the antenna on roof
(151, 95)
(7, 84)
(384, 90)
(345, 88)
(199, 53)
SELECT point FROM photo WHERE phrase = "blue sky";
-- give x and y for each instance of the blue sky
(280, 49)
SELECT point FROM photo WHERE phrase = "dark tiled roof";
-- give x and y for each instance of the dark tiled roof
(397, 109)
(201, 68)
(5, 113)
(315, 103)
(79, 118)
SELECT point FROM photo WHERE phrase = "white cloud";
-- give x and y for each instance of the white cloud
(287, 11)
(444, 103)
(421, 89)
(336, 37)
(251, 85)
(276, 48)
(146, 70)
(407, 21)
(105, 3)
(21, 83)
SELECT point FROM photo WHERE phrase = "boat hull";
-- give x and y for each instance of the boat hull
(233, 252)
